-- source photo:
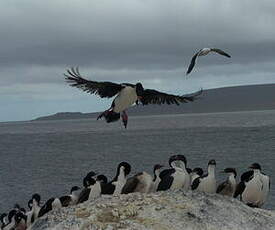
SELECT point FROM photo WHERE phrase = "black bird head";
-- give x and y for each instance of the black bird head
(172, 159)
(74, 188)
(88, 181)
(182, 158)
(126, 166)
(189, 170)
(102, 179)
(255, 166)
(139, 89)
(230, 170)
(157, 166)
(198, 171)
(36, 197)
(91, 174)
(212, 162)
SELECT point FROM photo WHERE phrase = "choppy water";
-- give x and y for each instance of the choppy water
(49, 157)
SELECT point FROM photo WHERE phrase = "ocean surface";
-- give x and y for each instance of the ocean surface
(49, 157)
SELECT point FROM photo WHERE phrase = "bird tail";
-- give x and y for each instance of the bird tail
(110, 116)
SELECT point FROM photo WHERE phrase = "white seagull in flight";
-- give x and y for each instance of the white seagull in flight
(204, 52)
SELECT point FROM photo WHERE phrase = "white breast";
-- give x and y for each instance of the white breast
(265, 181)
(253, 191)
(207, 184)
(74, 199)
(95, 191)
(36, 210)
(180, 179)
(29, 217)
(125, 99)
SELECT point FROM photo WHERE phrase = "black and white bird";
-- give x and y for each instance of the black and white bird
(115, 186)
(51, 204)
(207, 182)
(156, 178)
(63, 201)
(254, 187)
(125, 94)
(34, 204)
(204, 52)
(11, 220)
(143, 182)
(92, 189)
(228, 187)
(90, 174)
(70, 199)
(196, 172)
(177, 176)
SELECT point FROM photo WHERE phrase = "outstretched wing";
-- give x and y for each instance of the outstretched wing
(192, 63)
(103, 89)
(151, 96)
(219, 51)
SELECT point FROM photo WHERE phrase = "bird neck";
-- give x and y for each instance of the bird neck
(120, 175)
(119, 182)
(179, 165)
(35, 205)
(211, 170)
(232, 178)
(95, 191)
(156, 174)
(256, 171)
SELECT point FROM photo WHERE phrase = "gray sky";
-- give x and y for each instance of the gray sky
(151, 41)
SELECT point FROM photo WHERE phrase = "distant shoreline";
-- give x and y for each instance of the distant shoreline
(220, 100)
(56, 117)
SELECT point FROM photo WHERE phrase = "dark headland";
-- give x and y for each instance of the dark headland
(229, 99)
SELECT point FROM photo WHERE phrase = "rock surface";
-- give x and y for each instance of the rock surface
(170, 210)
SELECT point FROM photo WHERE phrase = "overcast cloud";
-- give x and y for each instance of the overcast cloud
(127, 41)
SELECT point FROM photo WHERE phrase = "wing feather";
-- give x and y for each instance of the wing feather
(192, 63)
(151, 96)
(222, 186)
(196, 183)
(130, 186)
(219, 51)
(103, 89)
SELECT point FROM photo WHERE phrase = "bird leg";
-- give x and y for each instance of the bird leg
(124, 118)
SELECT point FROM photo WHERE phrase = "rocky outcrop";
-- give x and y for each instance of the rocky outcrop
(170, 210)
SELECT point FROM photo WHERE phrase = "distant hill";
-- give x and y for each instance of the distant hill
(229, 99)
